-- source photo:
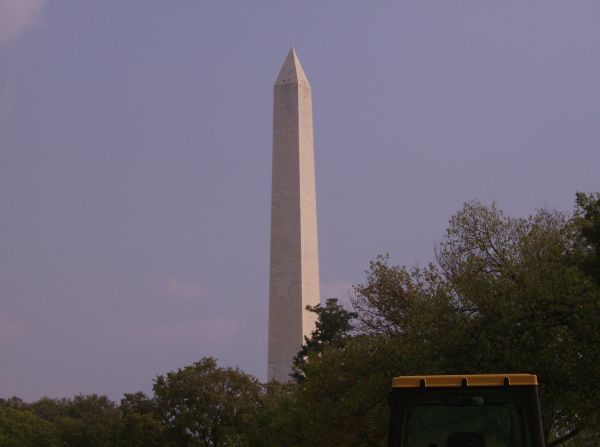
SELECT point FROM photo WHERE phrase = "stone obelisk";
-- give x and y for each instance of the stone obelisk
(294, 270)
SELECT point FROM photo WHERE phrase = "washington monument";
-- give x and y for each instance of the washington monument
(294, 270)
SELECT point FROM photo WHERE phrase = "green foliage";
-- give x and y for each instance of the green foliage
(51, 409)
(19, 427)
(333, 327)
(204, 405)
(199, 405)
(588, 222)
(342, 401)
(340, 397)
(141, 425)
(506, 295)
(528, 306)
(13, 402)
(278, 417)
(90, 421)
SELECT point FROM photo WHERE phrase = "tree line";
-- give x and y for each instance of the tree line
(503, 295)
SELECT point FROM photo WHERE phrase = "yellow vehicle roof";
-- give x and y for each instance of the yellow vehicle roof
(457, 380)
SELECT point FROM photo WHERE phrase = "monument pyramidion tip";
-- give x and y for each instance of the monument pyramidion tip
(291, 70)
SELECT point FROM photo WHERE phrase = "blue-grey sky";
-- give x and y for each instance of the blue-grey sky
(135, 152)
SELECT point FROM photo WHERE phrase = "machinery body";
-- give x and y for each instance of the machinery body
(485, 410)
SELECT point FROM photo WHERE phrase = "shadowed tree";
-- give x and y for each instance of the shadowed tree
(205, 405)
(587, 218)
(91, 421)
(142, 426)
(333, 327)
(19, 427)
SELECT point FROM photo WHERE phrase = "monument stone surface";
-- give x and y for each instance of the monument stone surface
(294, 262)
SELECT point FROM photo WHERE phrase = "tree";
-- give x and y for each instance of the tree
(587, 218)
(13, 402)
(142, 426)
(85, 421)
(19, 427)
(51, 409)
(505, 295)
(342, 400)
(528, 306)
(333, 327)
(277, 420)
(340, 397)
(205, 405)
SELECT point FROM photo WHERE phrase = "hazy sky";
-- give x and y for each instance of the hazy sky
(135, 158)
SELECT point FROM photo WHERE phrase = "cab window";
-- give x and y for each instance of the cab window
(465, 421)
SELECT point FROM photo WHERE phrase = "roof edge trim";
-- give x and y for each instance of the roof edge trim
(471, 380)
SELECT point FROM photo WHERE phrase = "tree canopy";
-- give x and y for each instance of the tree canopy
(204, 405)
(19, 427)
(587, 218)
